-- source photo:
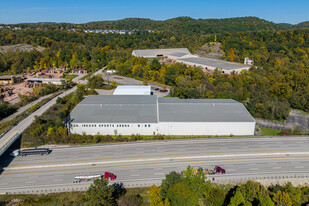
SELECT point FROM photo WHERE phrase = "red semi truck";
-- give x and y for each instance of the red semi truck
(107, 176)
(219, 170)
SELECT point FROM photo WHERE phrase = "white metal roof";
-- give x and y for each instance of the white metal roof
(133, 90)
(156, 52)
(44, 79)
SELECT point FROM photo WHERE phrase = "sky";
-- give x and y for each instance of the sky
(82, 11)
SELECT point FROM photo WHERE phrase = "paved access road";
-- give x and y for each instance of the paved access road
(144, 163)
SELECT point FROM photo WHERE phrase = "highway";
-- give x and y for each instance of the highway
(145, 163)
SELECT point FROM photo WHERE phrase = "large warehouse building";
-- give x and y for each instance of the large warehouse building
(148, 115)
(183, 55)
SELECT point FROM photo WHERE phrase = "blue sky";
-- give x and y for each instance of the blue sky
(78, 11)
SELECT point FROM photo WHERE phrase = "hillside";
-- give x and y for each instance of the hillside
(188, 25)
(181, 25)
(304, 24)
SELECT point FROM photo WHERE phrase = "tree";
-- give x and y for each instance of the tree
(180, 195)
(295, 193)
(253, 193)
(282, 199)
(196, 182)
(154, 195)
(170, 179)
(155, 198)
(238, 199)
(100, 193)
(95, 82)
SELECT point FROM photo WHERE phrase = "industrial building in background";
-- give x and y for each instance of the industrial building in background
(148, 115)
(133, 90)
(183, 55)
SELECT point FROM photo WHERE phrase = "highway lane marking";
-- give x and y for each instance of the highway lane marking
(254, 168)
(205, 140)
(152, 159)
(60, 180)
(136, 180)
(159, 155)
(135, 175)
(158, 164)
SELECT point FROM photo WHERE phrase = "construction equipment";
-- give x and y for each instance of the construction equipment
(206, 171)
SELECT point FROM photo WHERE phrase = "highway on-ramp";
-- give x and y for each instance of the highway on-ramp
(145, 163)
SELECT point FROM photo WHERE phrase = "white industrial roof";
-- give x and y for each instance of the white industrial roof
(44, 79)
(151, 109)
(156, 52)
(214, 63)
(183, 55)
(133, 90)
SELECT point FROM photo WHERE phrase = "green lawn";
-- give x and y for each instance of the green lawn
(70, 76)
(303, 112)
(269, 132)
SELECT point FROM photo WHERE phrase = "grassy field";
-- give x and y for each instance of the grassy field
(301, 111)
(64, 198)
(269, 132)
(70, 76)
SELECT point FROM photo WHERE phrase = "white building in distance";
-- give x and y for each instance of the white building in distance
(183, 55)
(148, 115)
(46, 81)
(132, 90)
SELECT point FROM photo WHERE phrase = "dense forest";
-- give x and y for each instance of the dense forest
(279, 81)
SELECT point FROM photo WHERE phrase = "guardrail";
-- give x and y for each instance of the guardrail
(9, 143)
(245, 179)
(1, 135)
(77, 187)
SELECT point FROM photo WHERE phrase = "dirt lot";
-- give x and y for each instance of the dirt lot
(17, 89)
(210, 50)
(21, 89)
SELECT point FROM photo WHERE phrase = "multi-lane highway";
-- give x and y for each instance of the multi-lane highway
(143, 163)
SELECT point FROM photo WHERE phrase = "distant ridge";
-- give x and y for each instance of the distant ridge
(181, 25)
(189, 25)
